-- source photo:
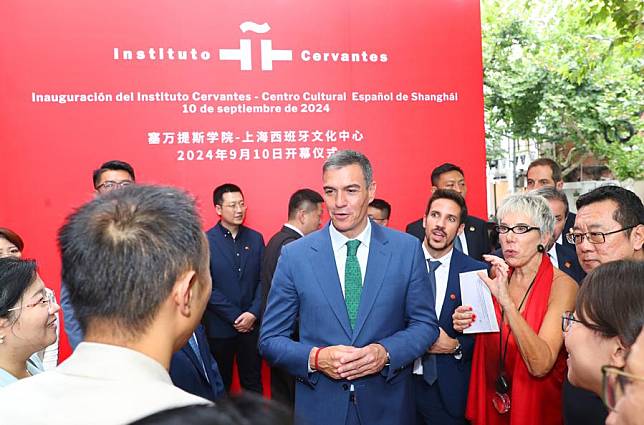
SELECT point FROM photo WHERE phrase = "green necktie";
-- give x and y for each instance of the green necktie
(352, 281)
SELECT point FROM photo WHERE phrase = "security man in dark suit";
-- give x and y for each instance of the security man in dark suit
(474, 241)
(304, 217)
(233, 312)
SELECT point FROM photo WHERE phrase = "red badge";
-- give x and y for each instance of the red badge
(452, 296)
(568, 264)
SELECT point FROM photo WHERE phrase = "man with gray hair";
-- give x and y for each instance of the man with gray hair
(135, 262)
(365, 306)
(563, 256)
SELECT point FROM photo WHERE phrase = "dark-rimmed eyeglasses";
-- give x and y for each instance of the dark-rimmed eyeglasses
(518, 229)
(566, 320)
(593, 237)
(110, 185)
(614, 383)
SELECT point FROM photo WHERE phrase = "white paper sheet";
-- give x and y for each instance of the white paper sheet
(475, 293)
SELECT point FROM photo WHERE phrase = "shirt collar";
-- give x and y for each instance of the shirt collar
(445, 259)
(338, 240)
(227, 233)
(290, 226)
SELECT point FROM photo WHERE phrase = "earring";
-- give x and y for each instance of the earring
(541, 248)
(1, 339)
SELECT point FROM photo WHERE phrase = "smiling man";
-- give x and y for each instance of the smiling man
(365, 307)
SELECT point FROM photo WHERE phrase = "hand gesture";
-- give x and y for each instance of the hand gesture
(499, 284)
(245, 322)
(463, 317)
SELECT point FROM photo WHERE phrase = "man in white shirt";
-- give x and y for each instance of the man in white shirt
(135, 262)
(441, 376)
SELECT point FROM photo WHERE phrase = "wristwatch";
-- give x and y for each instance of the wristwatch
(458, 352)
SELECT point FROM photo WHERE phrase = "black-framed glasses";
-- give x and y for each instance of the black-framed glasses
(518, 229)
(110, 185)
(593, 237)
(566, 320)
(614, 383)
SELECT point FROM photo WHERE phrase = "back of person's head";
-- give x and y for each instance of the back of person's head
(451, 195)
(442, 169)
(218, 193)
(550, 163)
(306, 199)
(246, 409)
(123, 252)
(114, 165)
(629, 211)
(16, 276)
(611, 300)
(382, 205)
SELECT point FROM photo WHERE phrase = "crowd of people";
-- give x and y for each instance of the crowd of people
(360, 323)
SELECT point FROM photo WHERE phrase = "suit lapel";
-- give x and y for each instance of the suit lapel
(377, 263)
(194, 359)
(453, 288)
(326, 272)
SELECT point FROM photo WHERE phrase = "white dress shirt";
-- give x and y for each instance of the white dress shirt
(339, 244)
(98, 384)
(295, 229)
(463, 239)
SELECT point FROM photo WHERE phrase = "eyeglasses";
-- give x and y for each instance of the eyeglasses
(111, 185)
(518, 229)
(48, 299)
(566, 320)
(614, 383)
(593, 237)
(234, 206)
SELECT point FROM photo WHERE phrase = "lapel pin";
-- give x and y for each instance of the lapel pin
(568, 264)
(472, 228)
(452, 297)
(247, 248)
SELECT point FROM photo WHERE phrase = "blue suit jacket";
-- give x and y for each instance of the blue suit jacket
(454, 374)
(233, 292)
(187, 372)
(396, 310)
(569, 262)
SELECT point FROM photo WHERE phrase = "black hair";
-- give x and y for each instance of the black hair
(218, 193)
(382, 205)
(442, 169)
(629, 211)
(123, 252)
(552, 194)
(547, 162)
(114, 165)
(610, 300)
(452, 195)
(246, 409)
(16, 275)
(303, 199)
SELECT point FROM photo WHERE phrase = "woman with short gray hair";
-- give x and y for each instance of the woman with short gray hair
(517, 373)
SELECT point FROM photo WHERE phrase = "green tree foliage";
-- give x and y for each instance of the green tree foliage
(568, 76)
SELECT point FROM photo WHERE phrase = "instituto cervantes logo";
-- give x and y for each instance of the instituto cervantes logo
(243, 54)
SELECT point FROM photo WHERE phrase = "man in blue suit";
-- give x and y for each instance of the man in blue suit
(232, 315)
(441, 376)
(193, 369)
(358, 336)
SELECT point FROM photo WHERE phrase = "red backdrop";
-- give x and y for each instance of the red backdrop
(92, 55)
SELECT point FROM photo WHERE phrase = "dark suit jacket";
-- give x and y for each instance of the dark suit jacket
(478, 240)
(233, 291)
(187, 372)
(396, 310)
(454, 374)
(569, 262)
(272, 254)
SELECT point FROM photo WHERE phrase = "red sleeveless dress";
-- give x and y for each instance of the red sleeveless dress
(534, 401)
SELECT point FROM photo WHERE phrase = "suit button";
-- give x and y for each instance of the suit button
(345, 387)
